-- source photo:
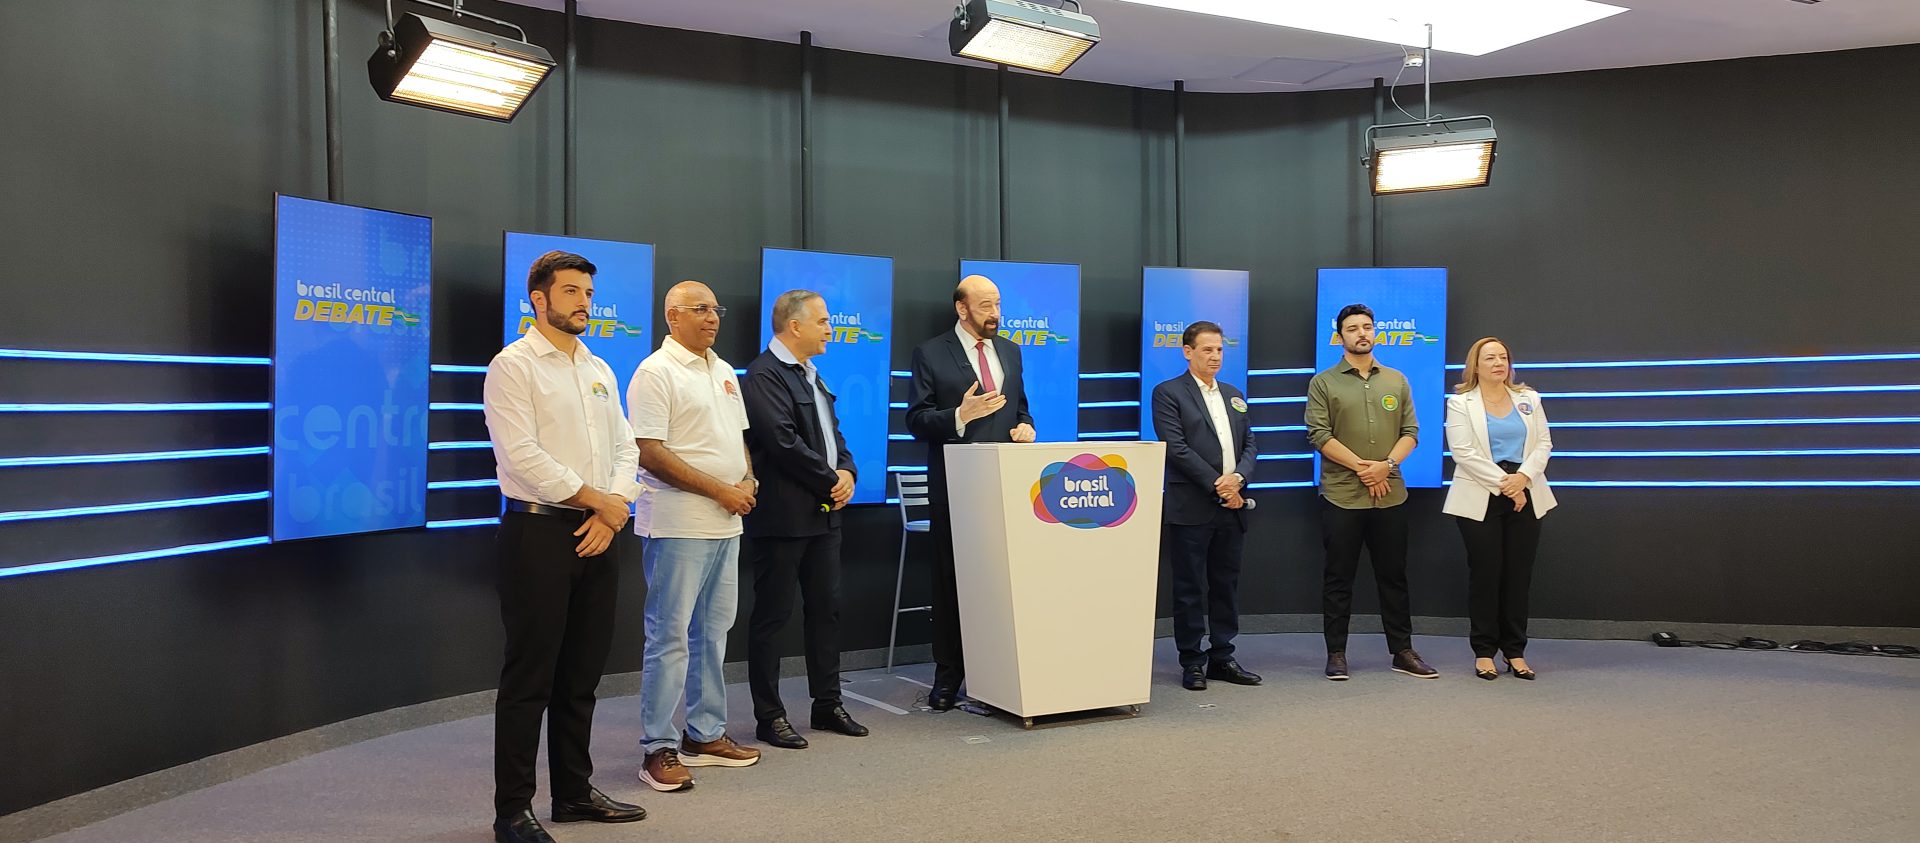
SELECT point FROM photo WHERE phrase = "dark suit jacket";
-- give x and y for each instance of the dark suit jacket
(789, 451)
(1194, 461)
(942, 374)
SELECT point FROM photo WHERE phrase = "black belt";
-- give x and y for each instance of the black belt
(1509, 466)
(517, 505)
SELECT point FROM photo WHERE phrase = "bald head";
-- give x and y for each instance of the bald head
(690, 293)
(691, 316)
(972, 286)
(977, 302)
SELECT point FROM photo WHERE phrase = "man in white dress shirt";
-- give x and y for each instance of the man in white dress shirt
(566, 461)
(690, 420)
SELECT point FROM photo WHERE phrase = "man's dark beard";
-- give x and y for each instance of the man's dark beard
(987, 328)
(565, 323)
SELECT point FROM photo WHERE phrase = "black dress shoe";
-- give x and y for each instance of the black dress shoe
(523, 827)
(836, 719)
(778, 732)
(597, 808)
(1193, 678)
(1230, 671)
(943, 699)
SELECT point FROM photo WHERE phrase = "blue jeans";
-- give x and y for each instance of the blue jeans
(693, 588)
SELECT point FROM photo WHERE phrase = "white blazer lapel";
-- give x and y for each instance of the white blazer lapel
(1532, 420)
(1477, 417)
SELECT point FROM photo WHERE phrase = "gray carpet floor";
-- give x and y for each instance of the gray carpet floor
(1616, 741)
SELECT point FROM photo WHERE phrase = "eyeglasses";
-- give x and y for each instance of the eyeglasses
(701, 310)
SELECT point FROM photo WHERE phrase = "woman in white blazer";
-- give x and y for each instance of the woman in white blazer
(1497, 432)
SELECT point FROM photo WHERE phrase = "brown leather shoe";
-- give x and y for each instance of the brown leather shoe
(664, 772)
(1409, 662)
(1337, 667)
(716, 753)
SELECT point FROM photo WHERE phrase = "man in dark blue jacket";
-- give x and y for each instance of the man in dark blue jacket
(1210, 452)
(806, 477)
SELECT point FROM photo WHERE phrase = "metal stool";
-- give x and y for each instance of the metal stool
(912, 492)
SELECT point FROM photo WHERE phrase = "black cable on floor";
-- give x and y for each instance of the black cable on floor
(1844, 648)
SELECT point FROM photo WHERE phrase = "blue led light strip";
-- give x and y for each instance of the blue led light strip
(1288, 399)
(1738, 422)
(135, 556)
(1286, 456)
(462, 522)
(1258, 373)
(115, 508)
(449, 368)
(143, 456)
(1808, 452)
(1764, 390)
(108, 357)
(910, 469)
(1677, 484)
(1734, 484)
(1109, 434)
(1094, 405)
(1282, 428)
(133, 408)
(1716, 361)
(471, 444)
(443, 406)
(1109, 376)
(438, 485)
(900, 437)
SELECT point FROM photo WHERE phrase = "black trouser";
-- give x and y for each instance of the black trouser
(949, 659)
(1383, 532)
(558, 611)
(779, 564)
(1500, 553)
(1203, 562)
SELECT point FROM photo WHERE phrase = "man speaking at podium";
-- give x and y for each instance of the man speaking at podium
(966, 388)
(1210, 452)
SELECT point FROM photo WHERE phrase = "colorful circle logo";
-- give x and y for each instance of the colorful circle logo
(1087, 492)
(1388, 402)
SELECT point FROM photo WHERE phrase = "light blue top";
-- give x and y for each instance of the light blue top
(1507, 436)
(781, 353)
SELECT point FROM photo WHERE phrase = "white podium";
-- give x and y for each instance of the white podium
(1056, 554)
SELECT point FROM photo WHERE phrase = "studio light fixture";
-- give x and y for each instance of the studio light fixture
(448, 67)
(1412, 157)
(1032, 36)
(1429, 153)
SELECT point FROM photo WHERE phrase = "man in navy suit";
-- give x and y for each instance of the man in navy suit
(806, 476)
(966, 388)
(1210, 452)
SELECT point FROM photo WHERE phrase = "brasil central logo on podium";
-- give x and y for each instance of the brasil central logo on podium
(1087, 492)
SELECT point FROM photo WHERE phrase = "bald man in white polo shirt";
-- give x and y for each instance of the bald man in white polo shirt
(689, 419)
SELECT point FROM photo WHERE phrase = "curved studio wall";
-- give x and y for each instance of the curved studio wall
(1645, 214)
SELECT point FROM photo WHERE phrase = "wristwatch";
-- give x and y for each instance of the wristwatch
(1391, 464)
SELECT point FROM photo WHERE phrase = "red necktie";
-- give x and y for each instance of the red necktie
(986, 371)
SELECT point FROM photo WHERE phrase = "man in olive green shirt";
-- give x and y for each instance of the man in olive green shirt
(1360, 417)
